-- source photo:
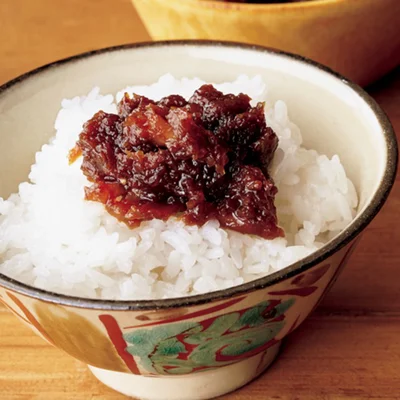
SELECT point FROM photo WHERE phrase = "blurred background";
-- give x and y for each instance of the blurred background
(41, 31)
(358, 38)
(355, 330)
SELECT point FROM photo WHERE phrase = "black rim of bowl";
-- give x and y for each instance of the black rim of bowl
(340, 241)
(266, 5)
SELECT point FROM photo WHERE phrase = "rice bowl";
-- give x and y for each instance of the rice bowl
(155, 349)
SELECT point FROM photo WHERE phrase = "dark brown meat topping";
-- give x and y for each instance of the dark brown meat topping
(199, 159)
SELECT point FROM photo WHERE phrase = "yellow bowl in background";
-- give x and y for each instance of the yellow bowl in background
(358, 38)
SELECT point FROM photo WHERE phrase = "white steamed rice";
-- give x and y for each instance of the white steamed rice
(52, 238)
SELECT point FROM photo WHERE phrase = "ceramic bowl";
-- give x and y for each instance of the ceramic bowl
(202, 346)
(360, 39)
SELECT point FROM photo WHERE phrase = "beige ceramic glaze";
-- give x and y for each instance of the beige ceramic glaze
(203, 346)
(358, 38)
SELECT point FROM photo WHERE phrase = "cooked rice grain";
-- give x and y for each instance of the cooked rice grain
(52, 238)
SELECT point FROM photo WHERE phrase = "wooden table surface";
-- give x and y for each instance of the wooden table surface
(348, 349)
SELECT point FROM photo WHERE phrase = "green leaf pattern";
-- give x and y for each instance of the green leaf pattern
(182, 347)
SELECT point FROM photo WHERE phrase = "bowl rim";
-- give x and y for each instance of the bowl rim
(340, 241)
(258, 7)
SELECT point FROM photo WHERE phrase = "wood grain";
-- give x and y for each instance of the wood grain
(348, 349)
